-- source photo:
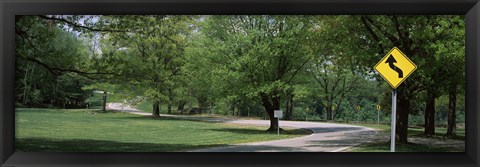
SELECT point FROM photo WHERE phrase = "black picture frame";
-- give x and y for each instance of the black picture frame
(10, 8)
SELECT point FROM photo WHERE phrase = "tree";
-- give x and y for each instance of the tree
(335, 84)
(365, 39)
(259, 56)
(416, 37)
(50, 64)
(405, 33)
(148, 57)
(335, 75)
(450, 50)
(335, 80)
(203, 83)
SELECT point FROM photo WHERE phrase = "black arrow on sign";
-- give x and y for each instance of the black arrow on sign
(390, 62)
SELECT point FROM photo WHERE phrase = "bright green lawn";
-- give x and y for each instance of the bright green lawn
(58, 130)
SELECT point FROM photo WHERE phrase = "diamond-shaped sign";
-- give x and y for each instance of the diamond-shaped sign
(395, 67)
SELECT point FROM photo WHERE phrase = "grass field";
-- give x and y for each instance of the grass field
(57, 130)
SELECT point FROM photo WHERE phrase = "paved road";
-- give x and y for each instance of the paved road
(326, 137)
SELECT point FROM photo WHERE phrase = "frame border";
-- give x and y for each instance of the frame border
(10, 8)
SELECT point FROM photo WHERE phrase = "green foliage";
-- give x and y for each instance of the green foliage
(46, 56)
(95, 101)
(247, 58)
(240, 65)
(146, 54)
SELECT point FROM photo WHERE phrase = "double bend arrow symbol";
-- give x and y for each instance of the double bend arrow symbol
(390, 62)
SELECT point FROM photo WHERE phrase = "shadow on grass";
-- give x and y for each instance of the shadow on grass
(254, 148)
(334, 129)
(242, 131)
(345, 140)
(86, 145)
(147, 117)
(264, 131)
(420, 133)
(408, 147)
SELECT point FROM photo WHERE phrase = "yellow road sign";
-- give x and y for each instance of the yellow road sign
(395, 67)
(358, 108)
(379, 107)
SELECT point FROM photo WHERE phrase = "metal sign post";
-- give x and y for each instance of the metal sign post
(395, 67)
(394, 116)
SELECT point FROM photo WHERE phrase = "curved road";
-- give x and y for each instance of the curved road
(326, 137)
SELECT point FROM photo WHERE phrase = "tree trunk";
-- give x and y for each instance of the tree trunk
(156, 109)
(181, 106)
(190, 105)
(452, 104)
(329, 113)
(210, 108)
(248, 110)
(403, 109)
(430, 114)
(170, 101)
(202, 105)
(104, 105)
(169, 108)
(270, 107)
(289, 106)
(273, 123)
(319, 109)
(25, 88)
(232, 108)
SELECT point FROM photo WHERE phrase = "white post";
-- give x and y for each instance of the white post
(394, 116)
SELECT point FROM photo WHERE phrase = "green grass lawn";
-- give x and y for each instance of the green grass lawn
(81, 130)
